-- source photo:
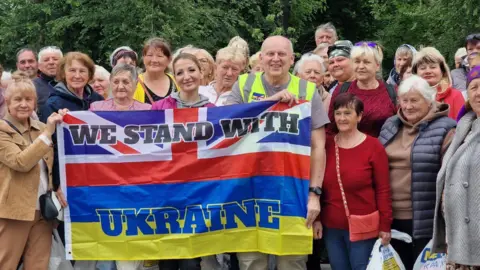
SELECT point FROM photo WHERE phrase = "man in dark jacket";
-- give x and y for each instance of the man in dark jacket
(48, 59)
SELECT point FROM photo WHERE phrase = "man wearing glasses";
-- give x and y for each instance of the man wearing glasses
(48, 59)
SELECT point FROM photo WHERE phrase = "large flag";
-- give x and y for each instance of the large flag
(186, 183)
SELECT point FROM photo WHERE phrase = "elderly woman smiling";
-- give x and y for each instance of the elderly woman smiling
(311, 68)
(26, 158)
(415, 141)
(459, 180)
(122, 82)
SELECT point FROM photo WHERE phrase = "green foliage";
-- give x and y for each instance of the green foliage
(97, 27)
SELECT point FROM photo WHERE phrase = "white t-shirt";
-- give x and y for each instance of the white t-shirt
(43, 184)
(212, 95)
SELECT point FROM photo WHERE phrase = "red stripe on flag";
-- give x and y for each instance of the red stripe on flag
(71, 120)
(124, 149)
(189, 170)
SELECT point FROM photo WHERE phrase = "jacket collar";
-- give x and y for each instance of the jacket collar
(19, 126)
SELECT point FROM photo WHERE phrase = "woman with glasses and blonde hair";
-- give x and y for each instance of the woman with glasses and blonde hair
(430, 64)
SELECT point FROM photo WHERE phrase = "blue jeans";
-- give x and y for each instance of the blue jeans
(344, 254)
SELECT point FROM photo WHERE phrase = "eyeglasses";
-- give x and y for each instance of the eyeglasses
(370, 44)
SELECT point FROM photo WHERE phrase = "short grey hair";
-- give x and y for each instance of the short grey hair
(102, 72)
(120, 68)
(49, 49)
(307, 58)
(417, 83)
(26, 50)
(327, 27)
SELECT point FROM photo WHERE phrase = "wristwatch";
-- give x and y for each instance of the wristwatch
(316, 190)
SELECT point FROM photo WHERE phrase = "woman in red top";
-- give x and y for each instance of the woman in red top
(372, 92)
(430, 64)
(365, 179)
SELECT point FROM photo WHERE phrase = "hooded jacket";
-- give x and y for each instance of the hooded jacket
(62, 98)
(415, 155)
(174, 102)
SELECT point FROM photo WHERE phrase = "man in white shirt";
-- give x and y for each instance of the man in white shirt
(230, 62)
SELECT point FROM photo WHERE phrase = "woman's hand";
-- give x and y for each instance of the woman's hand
(52, 122)
(61, 197)
(386, 237)
(63, 112)
(317, 230)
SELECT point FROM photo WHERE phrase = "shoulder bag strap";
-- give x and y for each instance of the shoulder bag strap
(342, 191)
(16, 129)
(145, 90)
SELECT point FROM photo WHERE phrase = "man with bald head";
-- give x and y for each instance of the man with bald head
(277, 84)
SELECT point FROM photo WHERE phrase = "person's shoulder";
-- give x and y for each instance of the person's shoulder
(142, 106)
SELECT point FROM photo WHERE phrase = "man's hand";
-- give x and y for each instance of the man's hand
(284, 96)
(313, 209)
(317, 230)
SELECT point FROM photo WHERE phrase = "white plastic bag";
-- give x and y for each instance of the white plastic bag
(137, 265)
(57, 255)
(85, 265)
(384, 258)
(430, 261)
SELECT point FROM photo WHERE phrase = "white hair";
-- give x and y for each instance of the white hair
(417, 83)
(307, 58)
(461, 52)
(327, 27)
(365, 50)
(102, 72)
(49, 49)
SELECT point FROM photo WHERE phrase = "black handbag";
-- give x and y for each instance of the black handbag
(48, 209)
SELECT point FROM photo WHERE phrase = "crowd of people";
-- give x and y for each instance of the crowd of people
(397, 152)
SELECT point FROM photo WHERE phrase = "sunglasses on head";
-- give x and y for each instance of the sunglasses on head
(473, 37)
(338, 47)
(370, 44)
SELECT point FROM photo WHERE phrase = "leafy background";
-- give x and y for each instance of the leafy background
(97, 27)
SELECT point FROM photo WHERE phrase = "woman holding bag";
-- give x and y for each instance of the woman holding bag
(356, 190)
(26, 160)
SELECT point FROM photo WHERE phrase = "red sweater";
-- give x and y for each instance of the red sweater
(454, 98)
(378, 107)
(365, 179)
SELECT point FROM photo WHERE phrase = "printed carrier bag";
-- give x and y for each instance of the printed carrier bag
(385, 257)
(430, 261)
(137, 265)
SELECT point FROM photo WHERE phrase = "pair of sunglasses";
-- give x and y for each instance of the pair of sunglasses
(370, 44)
(338, 47)
(473, 37)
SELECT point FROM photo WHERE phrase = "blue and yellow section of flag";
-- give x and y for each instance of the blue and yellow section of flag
(115, 218)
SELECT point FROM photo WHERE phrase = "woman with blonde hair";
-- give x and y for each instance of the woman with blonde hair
(238, 42)
(229, 65)
(379, 98)
(430, 64)
(101, 82)
(26, 158)
(254, 63)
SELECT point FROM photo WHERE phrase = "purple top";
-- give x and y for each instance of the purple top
(109, 105)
